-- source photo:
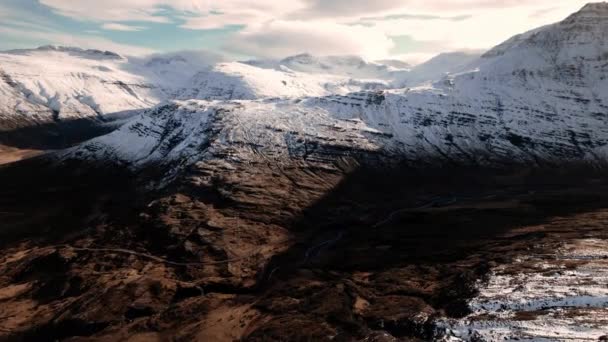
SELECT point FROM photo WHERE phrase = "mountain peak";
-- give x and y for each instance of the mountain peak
(591, 11)
(76, 50)
(597, 7)
(303, 58)
(587, 27)
(166, 60)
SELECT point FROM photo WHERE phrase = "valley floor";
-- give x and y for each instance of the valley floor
(11, 154)
(304, 255)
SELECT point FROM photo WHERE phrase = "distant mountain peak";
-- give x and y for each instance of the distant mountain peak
(161, 60)
(99, 54)
(594, 9)
(591, 12)
(307, 58)
(395, 63)
(300, 56)
(587, 27)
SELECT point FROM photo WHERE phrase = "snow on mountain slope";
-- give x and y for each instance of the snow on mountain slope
(172, 72)
(228, 81)
(58, 83)
(436, 68)
(542, 98)
(46, 84)
(396, 74)
(344, 66)
(395, 63)
(185, 132)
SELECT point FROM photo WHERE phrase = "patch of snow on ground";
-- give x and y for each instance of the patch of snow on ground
(561, 297)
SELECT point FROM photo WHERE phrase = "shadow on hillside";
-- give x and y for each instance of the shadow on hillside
(64, 133)
(43, 202)
(388, 248)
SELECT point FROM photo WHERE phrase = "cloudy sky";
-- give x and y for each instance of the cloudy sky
(412, 30)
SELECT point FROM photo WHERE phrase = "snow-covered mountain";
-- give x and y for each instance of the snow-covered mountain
(346, 66)
(59, 83)
(397, 74)
(54, 83)
(541, 96)
(395, 63)
(437, 68)
(50, 83)
(229, 81)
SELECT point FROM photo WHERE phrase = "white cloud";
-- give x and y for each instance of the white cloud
(121, 27)
(227, 11)
(215, 21)
(483, 29)
(224, 12)
(346, 8)
(109, 10)
(477, 29)
(278, 28)
(282, 38)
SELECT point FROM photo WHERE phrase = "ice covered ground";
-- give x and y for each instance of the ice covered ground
(562, 296)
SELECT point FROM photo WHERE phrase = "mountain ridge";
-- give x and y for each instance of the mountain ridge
(517, 105)
(96, 83)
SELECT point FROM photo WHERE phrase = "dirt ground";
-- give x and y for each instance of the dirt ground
(300, 255)
(12, 154)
